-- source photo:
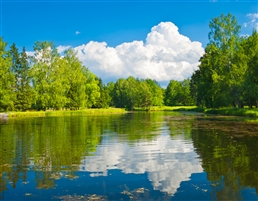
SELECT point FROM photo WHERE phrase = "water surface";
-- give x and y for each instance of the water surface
(134, 156)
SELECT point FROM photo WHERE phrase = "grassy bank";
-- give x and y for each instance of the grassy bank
(65, 112)
(246, 112)
(171, 108)
(220, 111)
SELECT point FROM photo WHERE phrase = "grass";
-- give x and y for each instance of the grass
(170, 108)
(246, 112)
(65, 112)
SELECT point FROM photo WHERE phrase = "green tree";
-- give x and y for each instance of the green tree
(119, 94)
(126, 93)
(157, 93)
(7, 80)
(59, 81)
(172, 93)
(220, 77)
(178, 93)
(104, 99)
(144, 98)
(76, 75)
(92, 89)
(224, 35)
(110, 89)
(132, 92)
(23, 90)
(249, 56)
(44, 63)
(204, 82)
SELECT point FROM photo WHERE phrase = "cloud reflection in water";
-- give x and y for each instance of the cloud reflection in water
(167, 161)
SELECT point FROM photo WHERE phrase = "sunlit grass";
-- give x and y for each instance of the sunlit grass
(247, 112)
(168, 108)
(234, 111)
(66, 112)
(218, 111)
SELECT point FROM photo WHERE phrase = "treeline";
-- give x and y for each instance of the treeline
(50, 81)
(228, 73)
(227, 76)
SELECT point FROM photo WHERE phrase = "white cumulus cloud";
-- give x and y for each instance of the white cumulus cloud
(62, 48)
(253, 15)
(253, 21)
(166, 54)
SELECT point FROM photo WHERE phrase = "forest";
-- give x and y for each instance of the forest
(228, 70)
(227, 76)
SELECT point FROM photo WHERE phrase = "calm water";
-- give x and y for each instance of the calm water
(136, 156)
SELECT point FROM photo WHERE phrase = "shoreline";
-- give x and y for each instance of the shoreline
(63, 113)
(245, 112)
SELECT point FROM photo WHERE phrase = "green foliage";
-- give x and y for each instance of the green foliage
(111, 92)
(223, 31)
(250, 59)
(226, 75)
(178, 93)
(62, 82)
(131, 93)
(92, 90)
(7, 79)
(104, 98)
(76, 75)
(24, 92)
(45, 66)
(157, 93)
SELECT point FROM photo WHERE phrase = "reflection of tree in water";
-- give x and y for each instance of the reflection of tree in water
(47, 146)
(229, 154)
(137, 126)
(180, 126)
(54, 147)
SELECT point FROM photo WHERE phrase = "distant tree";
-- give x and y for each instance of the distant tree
(178, 93)
(110, 89)
(24, 92)
(186, 94)
(119, 94)
(132, 92)
(92, 89)
(144, 98)
(172, 94)
(104, 99)
(157, 93)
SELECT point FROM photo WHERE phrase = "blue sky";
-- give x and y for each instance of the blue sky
(74, 23)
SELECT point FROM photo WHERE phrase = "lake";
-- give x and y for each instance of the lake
(133, 156)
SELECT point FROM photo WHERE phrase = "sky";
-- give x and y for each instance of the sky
(161, 40)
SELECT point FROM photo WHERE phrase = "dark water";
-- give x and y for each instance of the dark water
(136, 156)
